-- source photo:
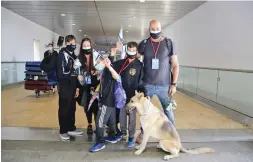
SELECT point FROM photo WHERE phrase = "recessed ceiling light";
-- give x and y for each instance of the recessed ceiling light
(80, 30)
(63, 15)
(129, 25)
(73, 24)
(126, 31)
(142, 0)
(84, 35)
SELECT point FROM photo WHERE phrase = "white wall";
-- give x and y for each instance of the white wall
(17, 37)
(216, 34)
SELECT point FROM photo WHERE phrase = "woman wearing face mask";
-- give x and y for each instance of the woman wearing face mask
(89, 80)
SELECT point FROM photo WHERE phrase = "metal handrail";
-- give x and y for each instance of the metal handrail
(11, 62)
(220, 69)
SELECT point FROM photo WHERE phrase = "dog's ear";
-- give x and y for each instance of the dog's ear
(136, 92)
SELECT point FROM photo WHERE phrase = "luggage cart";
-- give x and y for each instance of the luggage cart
(37, 80)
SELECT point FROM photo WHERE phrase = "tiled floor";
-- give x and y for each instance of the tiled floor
(41, 151)
(20, 108)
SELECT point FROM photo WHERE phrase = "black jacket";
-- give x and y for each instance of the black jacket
(66, 74)
(131, 77)
(106, 94)
(86, 88)
(47, 53)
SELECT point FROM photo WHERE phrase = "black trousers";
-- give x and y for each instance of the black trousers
(66, 114)
(105, 115)
(93, 110)
(67, 106)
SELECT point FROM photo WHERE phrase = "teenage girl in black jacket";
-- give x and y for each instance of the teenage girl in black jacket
(90, 81)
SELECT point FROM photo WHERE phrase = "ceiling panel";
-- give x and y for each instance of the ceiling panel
(101, 20)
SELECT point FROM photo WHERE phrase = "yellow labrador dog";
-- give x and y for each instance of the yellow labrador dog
(155, 124)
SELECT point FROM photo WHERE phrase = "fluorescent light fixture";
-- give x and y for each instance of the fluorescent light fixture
(63, 15)
(80, 30)
(142, 0)
(129, 25)
(126, 31)
(73, 24)
(84, 35)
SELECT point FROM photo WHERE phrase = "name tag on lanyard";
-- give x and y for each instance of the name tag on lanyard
(155, 63)
(87, 79)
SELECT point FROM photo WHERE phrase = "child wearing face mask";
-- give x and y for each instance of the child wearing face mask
(68, 90)
(130, 70)
(89, 80)
(107, 111)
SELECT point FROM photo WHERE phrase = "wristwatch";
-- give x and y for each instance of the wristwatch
(174, 84)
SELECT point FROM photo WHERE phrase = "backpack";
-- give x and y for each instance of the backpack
(119, 94)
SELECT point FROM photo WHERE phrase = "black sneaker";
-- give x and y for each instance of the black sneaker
(89, 129)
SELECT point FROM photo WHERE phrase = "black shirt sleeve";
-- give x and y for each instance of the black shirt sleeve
(140, 81)
(171, 45)
(111, 58)
(141, 47)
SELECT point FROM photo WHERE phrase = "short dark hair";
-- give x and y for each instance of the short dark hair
(69, 38)
(132, 44)
(50, 44)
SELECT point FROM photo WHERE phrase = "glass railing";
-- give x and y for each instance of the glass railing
(230, 88)
(12, 72)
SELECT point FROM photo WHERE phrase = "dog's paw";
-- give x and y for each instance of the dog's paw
(167, 157)
(158, 146)
(138, 152)
(137, 147)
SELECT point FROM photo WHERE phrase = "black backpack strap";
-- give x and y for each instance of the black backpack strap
(142, 46)
(168, 42)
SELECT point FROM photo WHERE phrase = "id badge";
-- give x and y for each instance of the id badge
(88, 79)
(155, 63)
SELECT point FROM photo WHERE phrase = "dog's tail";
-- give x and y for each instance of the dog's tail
(197, 150)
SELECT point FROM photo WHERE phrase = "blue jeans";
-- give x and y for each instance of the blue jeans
(162, 94)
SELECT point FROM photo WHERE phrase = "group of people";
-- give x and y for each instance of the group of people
(97, 75)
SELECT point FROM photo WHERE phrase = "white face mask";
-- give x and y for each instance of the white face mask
(131, 53)
(155, 32)
(86, 48)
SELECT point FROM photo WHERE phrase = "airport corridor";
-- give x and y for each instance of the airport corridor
(30, 133)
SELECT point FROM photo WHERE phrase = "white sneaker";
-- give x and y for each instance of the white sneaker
(75, 133)
(64, 137)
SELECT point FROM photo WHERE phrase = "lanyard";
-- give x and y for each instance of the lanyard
(155, 51)
(125, 66)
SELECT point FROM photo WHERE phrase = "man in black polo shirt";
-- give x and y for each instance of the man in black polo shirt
(158, 53)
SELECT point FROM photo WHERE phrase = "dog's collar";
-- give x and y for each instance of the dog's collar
(147, 108)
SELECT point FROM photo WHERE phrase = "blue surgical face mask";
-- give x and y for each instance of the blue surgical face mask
(100, 66)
